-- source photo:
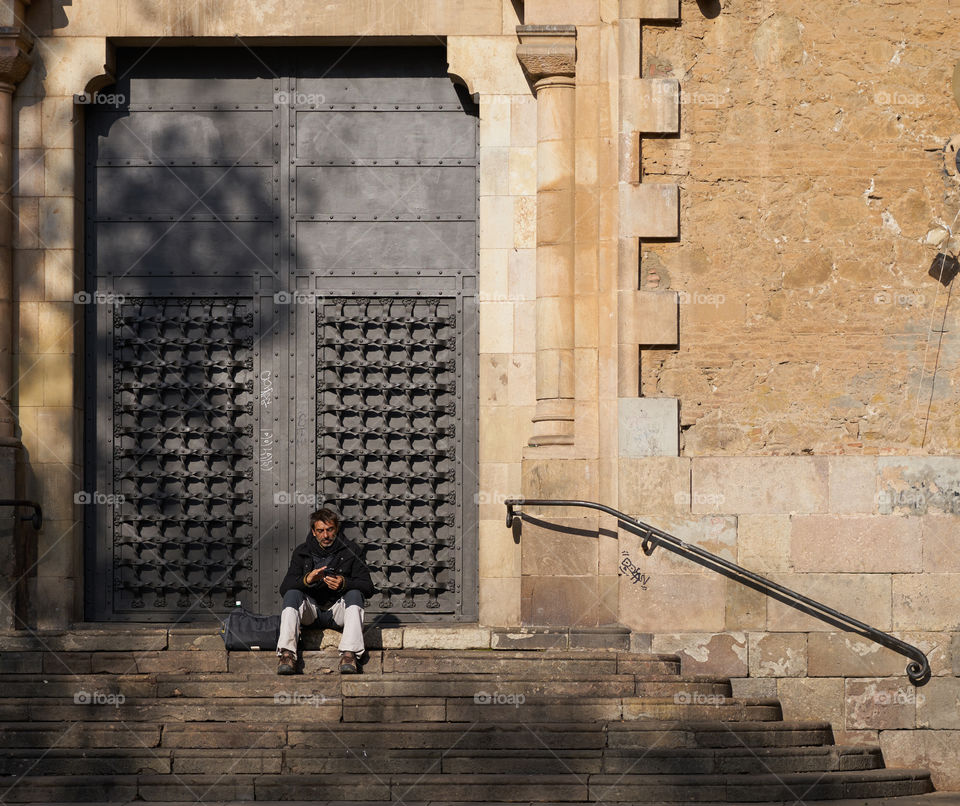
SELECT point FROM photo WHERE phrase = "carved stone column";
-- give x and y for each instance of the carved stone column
(548, 55)
(15, 49)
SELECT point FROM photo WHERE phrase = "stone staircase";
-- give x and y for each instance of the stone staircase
(147, 714)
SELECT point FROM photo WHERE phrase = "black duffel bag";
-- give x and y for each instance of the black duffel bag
(244, 630)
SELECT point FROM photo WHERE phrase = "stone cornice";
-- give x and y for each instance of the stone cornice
(547, 51)
(15, 62)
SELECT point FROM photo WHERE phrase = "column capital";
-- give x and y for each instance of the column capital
(547, 51)
(15, 61)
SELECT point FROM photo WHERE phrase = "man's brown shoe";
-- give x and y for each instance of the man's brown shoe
(348, 663)
(288, 662)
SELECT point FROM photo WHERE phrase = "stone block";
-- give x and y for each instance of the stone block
(496, 229)
(916, 485)
(58, 379)
(934, 750)
(853, 484)
(654, 487)
(753, 688)
(488, 65)
(27, 124)
(75, 60)
(863, 596)
(561, 12)
(59, 275)
(500, 602)
(926, 601)
(503, 432)
(59, 172)
(27, 223)
(855, 543)
(879, 703)
(499, 554)
(28, 172)
(806, 699)
(494, 120)
(647, 317)
(522, 268)
(576, 601)
(763, 542)
(416, 637)
(650, 105)
(522, 180)
(717, 534)
(54, 602)
(56, 321)
(495, 171)
(674, 602)
(761, 485)
(706, 654)
(938, 704)
(560, 478)
(57, 222)
(663, 10)
(840, 654)
(935, 645)
(496, 327)
(777, 654)
(28, 277)
(525, 222)
(567, 547)
(746, 608)
(648, 426)
(649, 210)
(941, 548)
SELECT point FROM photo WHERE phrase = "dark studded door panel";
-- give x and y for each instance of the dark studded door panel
(281, 270)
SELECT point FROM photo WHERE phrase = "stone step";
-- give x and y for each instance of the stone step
(504, 788)
(101, 708)
(498, 706)
(455, 760)
(653, 733)
(548, 665)
(261, 684)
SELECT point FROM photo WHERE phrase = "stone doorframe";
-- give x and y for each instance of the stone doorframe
(71, 63)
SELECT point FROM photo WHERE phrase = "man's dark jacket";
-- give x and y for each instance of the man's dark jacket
(342, 557)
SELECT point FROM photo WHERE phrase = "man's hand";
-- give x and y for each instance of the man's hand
(334, 582)
(314, 575)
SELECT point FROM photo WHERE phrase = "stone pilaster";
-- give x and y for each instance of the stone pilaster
(548, 56)
(15, 49)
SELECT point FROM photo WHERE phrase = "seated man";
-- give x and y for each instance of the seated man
(327, 576)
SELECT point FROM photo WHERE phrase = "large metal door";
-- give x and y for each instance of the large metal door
(281, 270)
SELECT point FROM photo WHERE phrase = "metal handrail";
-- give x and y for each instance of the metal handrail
(36, 518)
(918, 670)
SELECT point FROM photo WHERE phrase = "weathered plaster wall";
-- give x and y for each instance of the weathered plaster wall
(811, 172)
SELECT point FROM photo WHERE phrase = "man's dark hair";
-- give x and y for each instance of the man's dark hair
(325, 515)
